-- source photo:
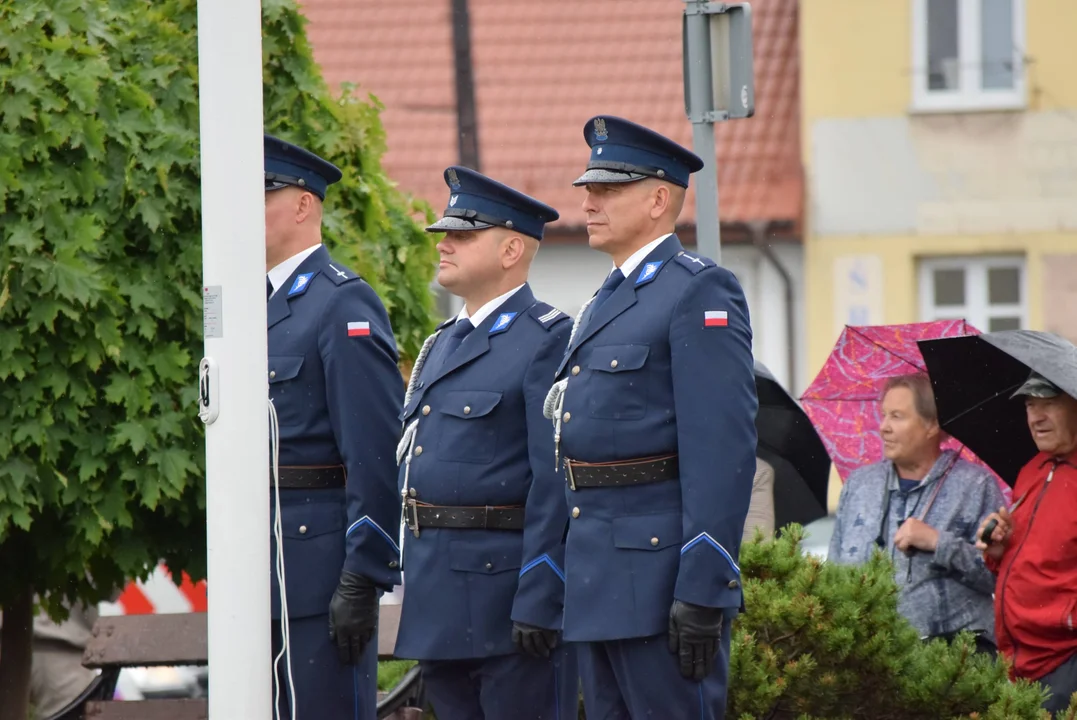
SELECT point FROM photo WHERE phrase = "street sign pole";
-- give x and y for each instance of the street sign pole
(233, 396)
(699, 105)
(718, 86)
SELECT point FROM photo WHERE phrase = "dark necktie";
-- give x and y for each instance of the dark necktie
(459, 331)
(269, 287)
(615, 278)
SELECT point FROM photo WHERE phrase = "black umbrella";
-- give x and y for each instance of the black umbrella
(974, 377)
(788, 441)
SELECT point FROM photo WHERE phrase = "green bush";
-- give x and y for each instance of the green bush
(822, 640)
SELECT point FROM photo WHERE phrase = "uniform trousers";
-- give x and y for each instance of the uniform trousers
(325, 689)
(514, 686)
(640, 678)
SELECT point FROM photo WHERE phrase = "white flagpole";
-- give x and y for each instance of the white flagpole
(234, 385)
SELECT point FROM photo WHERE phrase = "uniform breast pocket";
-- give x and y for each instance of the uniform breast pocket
(283, 388)
(467, 426)
(618, 388)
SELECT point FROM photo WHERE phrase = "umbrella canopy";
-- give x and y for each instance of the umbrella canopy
(844, 399)
(973, 378)
(789, 442)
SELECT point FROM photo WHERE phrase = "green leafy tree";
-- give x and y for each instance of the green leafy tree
(101, 451)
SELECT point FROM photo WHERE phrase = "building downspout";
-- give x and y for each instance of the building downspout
(758, 231)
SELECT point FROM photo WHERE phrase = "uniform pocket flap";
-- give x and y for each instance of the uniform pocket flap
(618, 358)
(647, 532)
(468, 404)
(480, 557)
(310, 521)
(284, 367)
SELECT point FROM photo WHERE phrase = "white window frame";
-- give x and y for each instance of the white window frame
(977, 310)
(970, 97)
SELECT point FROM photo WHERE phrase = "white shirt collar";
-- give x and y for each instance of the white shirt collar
(640, 255)
(280, 274)
(486, 310)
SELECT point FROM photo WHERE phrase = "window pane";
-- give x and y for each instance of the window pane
(1003, 286)
(1003, 323)
(949, 287)
(943, 66)
(996, 31)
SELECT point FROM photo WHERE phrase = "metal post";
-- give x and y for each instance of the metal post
(699, 100)
(467, 117)
(234, 385)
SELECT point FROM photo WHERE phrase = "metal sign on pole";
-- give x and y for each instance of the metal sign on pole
(233, 396)
(719, 85)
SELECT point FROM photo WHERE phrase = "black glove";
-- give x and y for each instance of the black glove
(534, 641)
(694, 632)
(353, 616)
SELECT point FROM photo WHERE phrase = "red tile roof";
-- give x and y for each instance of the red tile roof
(541, 70)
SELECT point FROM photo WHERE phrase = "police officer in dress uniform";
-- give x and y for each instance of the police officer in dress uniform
(484, 503)
(336, 390)
(654, 412)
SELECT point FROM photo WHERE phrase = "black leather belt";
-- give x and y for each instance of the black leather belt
(313, 477)
(419, 515)
(643, 471)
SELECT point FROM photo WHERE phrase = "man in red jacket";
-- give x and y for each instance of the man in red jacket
(1033, 550)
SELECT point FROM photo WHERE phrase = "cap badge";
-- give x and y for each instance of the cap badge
(453, 199)
(600, 130)
(454, 181)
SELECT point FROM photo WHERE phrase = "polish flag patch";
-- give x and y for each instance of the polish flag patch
(358, 329)
(715, 318)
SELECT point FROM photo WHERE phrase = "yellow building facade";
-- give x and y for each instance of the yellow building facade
(940, 155)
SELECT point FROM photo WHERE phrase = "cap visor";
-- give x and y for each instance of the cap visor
(1037, 387)
(598, 175)
(1036, 390)
(455, 223)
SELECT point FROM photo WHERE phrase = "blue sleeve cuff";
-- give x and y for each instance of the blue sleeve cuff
(706, 540)
(543, 559)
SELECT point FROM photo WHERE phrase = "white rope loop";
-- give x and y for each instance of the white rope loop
(555, 399)
(406, 447)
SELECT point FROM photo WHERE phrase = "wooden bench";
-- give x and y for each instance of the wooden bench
(125, 641)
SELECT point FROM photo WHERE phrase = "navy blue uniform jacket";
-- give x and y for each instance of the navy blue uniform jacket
(336, 387)
(664, 366)
(481, 439)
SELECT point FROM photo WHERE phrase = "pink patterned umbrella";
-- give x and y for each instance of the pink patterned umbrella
(843, 400)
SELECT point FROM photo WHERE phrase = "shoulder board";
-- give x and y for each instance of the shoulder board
(694, 263)
(338, 273)
(545, 314)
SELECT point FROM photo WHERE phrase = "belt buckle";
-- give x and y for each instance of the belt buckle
(412, 518)
(568, 475)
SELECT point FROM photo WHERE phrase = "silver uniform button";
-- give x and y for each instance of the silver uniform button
(426, 409)
(467, 409)
(654, 541)
(575, 512)
(272, 374)
(566, 417)
(613, 363)
(489, 566)
(576, 370)
(302, 529)
(418, 450)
